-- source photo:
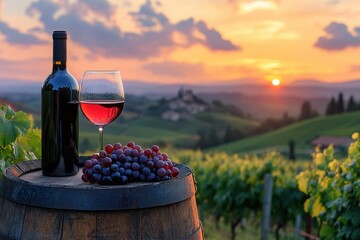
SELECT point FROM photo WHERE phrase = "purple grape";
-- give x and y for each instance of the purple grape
(122, 157)
(142, 177)
(124, 179)
(117, 146)
(135, 153)
(102, 154)
(84, 178)
(150, 164)
(118, 163)
(88, 164)
(155, 159)
(107, 162)
(113, 157)
(168, 172)
(128, 172)
(146, 171)
(135, 159)
(96, 177)
(135, 166)
(160, 157)
(106, 171)
(170, 164)
(106, 180)
(160, 164)
(143, 159)
(84, 170)
(114, 168)
(122, 170)
(115, 177)
(89, 172)
(127, 152)
(161, 172)
(151, 177)
(127, 165)
(94, 161)
(128, 159)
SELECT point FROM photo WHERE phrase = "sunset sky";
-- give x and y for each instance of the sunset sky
(187, 41)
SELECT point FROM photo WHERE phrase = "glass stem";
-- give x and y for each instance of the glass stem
(101, 138)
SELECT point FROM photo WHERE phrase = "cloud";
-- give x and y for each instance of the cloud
(99, 37)
(170, 68)
(339, 37)
(14, 36)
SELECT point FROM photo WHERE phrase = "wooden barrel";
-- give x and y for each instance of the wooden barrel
(33, 206)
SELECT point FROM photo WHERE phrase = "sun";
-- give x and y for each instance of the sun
(275, 82)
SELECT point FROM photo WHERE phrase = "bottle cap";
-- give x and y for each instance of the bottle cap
(59, 35)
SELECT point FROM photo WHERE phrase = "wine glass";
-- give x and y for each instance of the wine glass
(101, 98)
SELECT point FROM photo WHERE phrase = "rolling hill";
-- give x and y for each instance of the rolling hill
(302, 133)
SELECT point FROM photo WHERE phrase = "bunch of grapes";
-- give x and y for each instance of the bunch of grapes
(119, 164)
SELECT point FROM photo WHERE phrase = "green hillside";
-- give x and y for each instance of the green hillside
(302, 133)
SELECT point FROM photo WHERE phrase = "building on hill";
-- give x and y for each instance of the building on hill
(339, 143)
(183, 106)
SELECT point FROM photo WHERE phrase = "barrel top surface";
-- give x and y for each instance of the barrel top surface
(24, 183)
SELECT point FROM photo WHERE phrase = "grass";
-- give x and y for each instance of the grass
(302, 133)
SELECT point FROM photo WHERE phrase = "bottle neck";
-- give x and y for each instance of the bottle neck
(59, 65)
(59, 54)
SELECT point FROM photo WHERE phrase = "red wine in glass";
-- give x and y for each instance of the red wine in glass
(101, 113)
(101, 98)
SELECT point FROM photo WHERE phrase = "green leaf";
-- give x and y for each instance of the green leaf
(21, 122)
(8, 133)
(9, 112)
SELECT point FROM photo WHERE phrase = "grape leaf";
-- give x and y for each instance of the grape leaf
(8, 133)
(21, 122)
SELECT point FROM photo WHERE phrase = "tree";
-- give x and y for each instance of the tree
(307, 112)
(340, 104)
(331, 108)
(233, 134)
(351, 105)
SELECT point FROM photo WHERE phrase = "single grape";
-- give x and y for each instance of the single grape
(164, 156)
(134, 153)
(109, 148)
(116, 177)
(128, 172)
(170, 164)
(107, 162)
(84, 170)
(155, 148)
(106, 180)
(127, 152)
(160, 164)
(175, 171)
(155, 159)
(102, 154)
(146, 171)
(122, 157)
(89, 172)
(118, 163)
(150, 164)
(124, 179)
(94, 161)
(135, 166)
(84, 178)
(128, 159)
(143, 159)
(106, 171)
(135, 159)
(166, 165)
(95, 156)
(161, 172)
(160, 157)
(96, 177)
(121, 170)
(168, 172)
(138, 148)
(151, 177)
(114, 167)
(148, 152)
(117, 146)
(113, 157)
(130, 144)
(127, 165)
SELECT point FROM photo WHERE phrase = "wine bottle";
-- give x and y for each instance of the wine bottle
(60, 115)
